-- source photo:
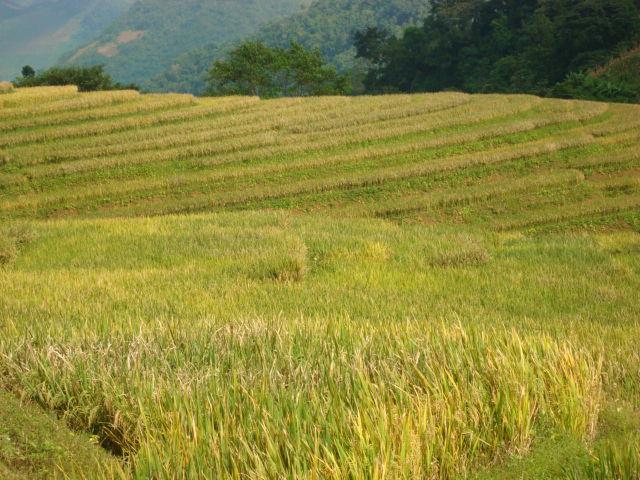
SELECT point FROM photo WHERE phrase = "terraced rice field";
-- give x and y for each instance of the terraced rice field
(415, 286)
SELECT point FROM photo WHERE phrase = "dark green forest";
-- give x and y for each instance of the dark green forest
(545, 47)
(587, 49)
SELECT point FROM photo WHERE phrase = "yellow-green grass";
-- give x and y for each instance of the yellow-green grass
(34, 445)
(416, 286)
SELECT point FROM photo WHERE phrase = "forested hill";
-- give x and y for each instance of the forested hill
(325, 24)
(146, 40)
(549, 48)
(37, 32)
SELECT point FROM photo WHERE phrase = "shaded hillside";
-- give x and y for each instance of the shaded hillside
(616, 81)
(326, 24)
(146, 40)
(624, 72)
(37, 32)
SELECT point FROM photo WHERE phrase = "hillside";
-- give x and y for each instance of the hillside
(325, 24)
(407, 286)
(145, 40)
(38, 32)
(623, 72)
(123, 153)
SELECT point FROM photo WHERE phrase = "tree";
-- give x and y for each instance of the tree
(28, 71)
(253, 68)
(87, 79)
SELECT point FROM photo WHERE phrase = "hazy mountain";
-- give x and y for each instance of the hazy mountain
(146, 40)
(38, 32)
(325, 24)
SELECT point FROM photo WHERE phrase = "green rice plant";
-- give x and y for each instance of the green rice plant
(419, 286)
(611, 460)
(404, 205)
(406, 401)
(572, 211)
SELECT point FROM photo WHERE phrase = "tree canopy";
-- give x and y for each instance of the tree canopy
(87, 79)
(253, 68)
(499, 45)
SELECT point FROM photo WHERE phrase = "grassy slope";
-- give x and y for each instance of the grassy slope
(33, 445)
(425, 285)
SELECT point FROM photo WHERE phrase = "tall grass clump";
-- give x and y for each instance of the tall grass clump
(311, 398)
(611, 460)
(12, 238)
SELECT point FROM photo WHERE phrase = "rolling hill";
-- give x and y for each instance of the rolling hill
(145, 40)
(328, 25)
(38, 32)
(405, 286)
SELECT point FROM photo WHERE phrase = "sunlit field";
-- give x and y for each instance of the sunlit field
(431, 286)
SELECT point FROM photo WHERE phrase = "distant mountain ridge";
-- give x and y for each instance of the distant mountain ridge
(145, 41)
(38, 32)
(325, 24)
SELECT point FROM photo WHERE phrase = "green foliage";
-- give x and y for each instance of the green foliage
(327, 25)
(87, 79)
(496, 46)
(590, 87)
(28, 71)
(617, 81)
(255, 69)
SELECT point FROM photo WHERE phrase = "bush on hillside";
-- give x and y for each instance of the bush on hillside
(6, 87)
(87, 79)
(586, 86)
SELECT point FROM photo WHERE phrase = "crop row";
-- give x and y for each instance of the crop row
(245, 122)
(408, 153)
(80, 102)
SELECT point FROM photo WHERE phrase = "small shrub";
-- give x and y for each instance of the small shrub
(376, 251)
(284, 266)
(586, 86)
(12, 240)
(6, 87)
(461, 251)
